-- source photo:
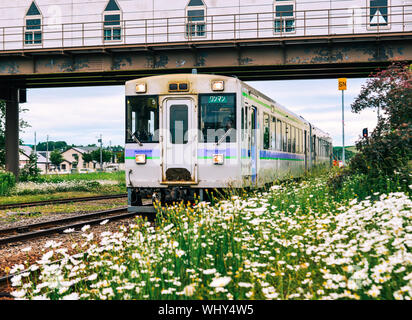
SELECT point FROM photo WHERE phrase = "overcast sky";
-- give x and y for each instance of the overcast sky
(79, 115)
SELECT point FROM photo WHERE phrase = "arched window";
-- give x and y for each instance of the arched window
(112, 16)
(284, 11)
(195, 19)
(33, 25)
(378, 14)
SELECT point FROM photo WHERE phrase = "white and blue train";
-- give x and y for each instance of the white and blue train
(187, 133)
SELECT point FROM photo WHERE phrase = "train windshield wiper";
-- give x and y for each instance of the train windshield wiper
(134, 137)
(224, 136)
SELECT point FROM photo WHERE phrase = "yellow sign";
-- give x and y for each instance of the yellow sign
(342, 83)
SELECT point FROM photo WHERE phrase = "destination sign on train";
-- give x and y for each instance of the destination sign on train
(217, 99)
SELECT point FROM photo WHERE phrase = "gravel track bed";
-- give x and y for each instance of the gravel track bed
(12, 254)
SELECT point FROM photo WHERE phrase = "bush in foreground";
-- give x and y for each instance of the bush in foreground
(7, 182)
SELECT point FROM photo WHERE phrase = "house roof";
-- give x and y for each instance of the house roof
(27, 151)
(88, 149)
(82, 149)
(41, 158)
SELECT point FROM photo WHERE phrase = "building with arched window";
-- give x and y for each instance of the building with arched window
(60, 23)
(195, 23)
(33, 25)
(112, 18)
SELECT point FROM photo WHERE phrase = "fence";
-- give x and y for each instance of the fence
(224, 27)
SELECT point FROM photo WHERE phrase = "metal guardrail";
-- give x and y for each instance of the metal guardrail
(227, 27)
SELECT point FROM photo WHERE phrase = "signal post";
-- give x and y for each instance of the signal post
(342, 87)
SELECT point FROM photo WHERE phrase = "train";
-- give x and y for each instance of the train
(187, 134)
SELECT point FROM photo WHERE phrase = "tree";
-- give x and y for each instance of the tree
(23, 124)
(106, 155)
(87, 158)
(337, 153)
(389, 148)
(53, 145)
(30, 172)
(120, 157)
(56, 158)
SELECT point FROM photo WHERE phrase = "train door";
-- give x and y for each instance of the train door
(179, 144)
(245, 143)
(253, 143)
(305, 150)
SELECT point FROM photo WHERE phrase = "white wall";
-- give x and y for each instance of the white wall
(79, 22)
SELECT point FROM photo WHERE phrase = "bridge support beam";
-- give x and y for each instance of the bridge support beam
(11, 97)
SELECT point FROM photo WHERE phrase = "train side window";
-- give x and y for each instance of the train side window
(289, 141)
(318, 151)
(273, 131)
(279, 135)
(293, 140)
(266, 132)
(285, 137)
(142, 119)
(242, 114)
(302, 150)
(297, 140)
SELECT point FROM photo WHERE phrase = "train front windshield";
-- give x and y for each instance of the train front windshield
(142, 119)
(217, 117)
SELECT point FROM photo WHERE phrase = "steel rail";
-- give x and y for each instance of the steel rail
(57, 201)
(72, 223)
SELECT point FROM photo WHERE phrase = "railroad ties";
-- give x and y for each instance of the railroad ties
(56, 226)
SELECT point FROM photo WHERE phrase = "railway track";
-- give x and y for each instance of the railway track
(12, 235)
(57, 201)
(15, 234)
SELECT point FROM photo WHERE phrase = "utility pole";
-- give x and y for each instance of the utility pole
(101, 151)
(343, 127)
(35, 147)
(110, 148)
(342, 86)
(47, 153)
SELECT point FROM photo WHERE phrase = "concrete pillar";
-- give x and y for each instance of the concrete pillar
(12, 132)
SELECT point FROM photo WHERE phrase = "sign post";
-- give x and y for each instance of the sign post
(342, 87)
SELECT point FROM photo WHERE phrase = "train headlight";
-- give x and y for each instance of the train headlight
(141, 88)
(218, 85)
(218, 158)
(140, 158)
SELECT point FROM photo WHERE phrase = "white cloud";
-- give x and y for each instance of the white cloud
(320, 103)
(76, 115)
(80, 115)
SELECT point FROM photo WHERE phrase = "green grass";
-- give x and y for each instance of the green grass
(66, 186)
(117, 176)
(7, 182)
(58, 195)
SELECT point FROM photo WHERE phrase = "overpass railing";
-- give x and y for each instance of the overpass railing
(210, 28)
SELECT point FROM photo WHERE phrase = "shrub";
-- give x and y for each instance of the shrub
(7, 182)
(30, 172)
(388, 150)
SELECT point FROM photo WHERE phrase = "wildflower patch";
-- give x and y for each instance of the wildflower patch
(279, 244)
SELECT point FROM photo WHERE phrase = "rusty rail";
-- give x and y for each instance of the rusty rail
(238, 26)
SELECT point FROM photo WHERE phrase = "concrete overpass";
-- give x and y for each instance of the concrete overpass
(252, 46)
